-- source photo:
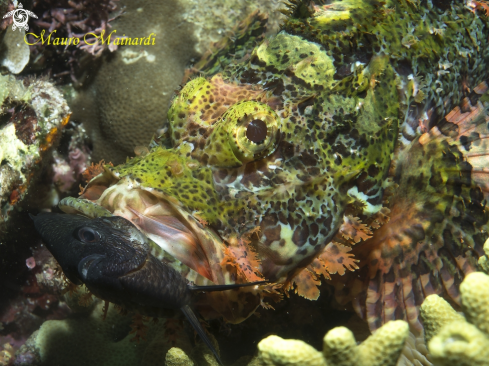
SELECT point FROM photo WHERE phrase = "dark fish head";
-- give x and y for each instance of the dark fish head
(89, 249)
(112, 258)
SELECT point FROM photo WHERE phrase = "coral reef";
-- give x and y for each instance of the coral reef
(32, 116)
(452, 338)
(33, 303)
(69, 162)
(88, 339)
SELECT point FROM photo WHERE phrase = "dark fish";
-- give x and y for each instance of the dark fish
(112, 258)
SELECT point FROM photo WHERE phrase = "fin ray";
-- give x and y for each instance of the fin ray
(224, 287)
(176, 239)
(190, 315)
(438, 222)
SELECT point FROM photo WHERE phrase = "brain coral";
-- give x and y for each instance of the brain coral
(128, 99)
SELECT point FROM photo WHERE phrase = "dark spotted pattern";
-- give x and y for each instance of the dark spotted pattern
(342, 89)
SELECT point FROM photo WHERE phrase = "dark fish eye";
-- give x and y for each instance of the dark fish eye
(256, 131)
(88, 235)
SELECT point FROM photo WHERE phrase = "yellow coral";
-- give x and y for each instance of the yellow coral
(436, 312)
(275, 351)
(455, 341)
(383, 348)
(340, 347)
(6, 354)
(177, 357)
(461, 344)
(475, 300)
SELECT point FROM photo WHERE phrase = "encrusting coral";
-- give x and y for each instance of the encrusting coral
(33, 113)
(452, 338)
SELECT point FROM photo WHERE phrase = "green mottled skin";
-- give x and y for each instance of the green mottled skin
(339, 88)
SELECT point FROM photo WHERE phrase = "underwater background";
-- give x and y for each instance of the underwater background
(322, 164)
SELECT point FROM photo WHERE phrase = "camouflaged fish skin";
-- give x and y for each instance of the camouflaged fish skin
(333, 89)
(267, 153)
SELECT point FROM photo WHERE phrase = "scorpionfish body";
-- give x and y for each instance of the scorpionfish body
(350, 146)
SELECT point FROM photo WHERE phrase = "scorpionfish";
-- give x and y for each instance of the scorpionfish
(349, 147)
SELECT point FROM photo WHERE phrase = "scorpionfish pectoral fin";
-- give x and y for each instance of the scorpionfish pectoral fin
(175, 238)
(438, 220)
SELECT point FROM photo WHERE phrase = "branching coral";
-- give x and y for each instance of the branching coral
(383, 348)
(453, 340)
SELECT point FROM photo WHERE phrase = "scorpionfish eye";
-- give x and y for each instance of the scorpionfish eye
(247, 131)
(87, 235)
